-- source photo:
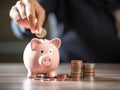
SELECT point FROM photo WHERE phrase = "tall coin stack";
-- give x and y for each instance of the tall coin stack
(89, 69)
(76, 69)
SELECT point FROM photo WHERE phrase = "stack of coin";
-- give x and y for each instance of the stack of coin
(76, 69)
(41, 33)
(89, 69)
(62, 77)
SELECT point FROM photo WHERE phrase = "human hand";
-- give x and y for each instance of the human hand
(29, 14)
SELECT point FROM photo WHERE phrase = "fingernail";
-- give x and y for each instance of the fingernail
(24, 17)
(33, 31)
(36, 31)
(40, 29)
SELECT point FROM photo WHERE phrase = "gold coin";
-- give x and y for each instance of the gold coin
(89, 65)
(75, 75)
(41, 34)
(76, 62)
(62, 77)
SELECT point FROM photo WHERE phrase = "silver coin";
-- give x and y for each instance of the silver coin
(41, 34)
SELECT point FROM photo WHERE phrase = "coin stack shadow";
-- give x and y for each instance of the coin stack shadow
(89, 70)
(76, 70)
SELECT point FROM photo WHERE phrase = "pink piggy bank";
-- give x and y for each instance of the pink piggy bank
(41, 56)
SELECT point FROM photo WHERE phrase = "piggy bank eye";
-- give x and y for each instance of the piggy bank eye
(50, 51)
(42, 51)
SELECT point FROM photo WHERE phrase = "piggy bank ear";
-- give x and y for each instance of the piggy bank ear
(56, 42)
(34, 43)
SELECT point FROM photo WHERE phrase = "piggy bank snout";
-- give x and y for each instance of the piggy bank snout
(47, 61)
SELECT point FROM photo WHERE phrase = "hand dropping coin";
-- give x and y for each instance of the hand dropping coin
(41, 33)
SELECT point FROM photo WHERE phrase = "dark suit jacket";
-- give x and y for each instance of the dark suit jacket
(92, 20)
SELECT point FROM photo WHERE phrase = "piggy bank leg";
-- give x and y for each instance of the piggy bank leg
(52, 74)
(31, 75)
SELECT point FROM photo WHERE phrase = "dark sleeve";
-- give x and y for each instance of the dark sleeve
(48, 5)
(55, 6)
(113, 5)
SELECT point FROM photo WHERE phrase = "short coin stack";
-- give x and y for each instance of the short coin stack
(62, 77)
(76, 69)
(89, 69)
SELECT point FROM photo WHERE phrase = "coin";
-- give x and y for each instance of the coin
(75, 75)
(76, 61)
(89, 67)
(89, 78)
(89, 70)
(46, 79)
(76, 69)
(53, 79)
(41, 76)
(62, 77)
(41, 33)
(76, 66)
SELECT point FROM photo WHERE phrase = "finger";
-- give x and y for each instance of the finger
(24, 23)
(40, 17)
(21, 8)
(30, 12)
(14, 14)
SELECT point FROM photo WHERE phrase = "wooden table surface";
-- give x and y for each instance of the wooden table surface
(13, 77)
